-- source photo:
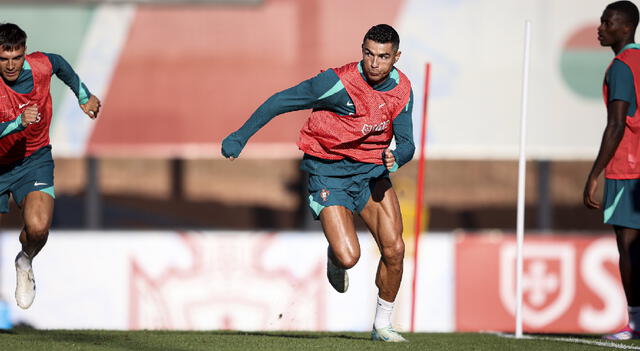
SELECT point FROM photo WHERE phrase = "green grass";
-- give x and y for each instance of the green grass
(49, 340)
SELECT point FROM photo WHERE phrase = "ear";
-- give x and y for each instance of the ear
(397, 57)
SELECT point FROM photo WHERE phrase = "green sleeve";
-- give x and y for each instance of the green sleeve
(303, 96)
(11, 127)
(403, 132)
(63, 70)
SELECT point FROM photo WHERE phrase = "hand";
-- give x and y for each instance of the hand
(92, 107)
(388, 159)
(30, 115)
(589, 193)
(231, 146)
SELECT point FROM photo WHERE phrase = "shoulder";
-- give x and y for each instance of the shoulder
(619, 70)
(40, 56)
(351, 67)
(328, 76)
(619, 65)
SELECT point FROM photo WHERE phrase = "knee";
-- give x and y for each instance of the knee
(347, 260)
(37, 229)
(394, 253)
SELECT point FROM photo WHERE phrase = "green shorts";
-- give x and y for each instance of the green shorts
(622, 202)
(32, 173)
(352, 192)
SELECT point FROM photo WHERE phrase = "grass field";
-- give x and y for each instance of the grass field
(30, 339)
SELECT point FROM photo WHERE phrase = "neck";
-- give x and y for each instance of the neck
(372, 83)
(9, 83)
(617, 47)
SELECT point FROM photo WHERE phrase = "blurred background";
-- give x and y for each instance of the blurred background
(170, 235)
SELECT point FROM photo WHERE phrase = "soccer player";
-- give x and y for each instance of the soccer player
(26, 166)
(357, 110)
(620, 151)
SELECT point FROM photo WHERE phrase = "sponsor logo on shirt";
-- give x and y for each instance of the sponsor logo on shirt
(368, 128)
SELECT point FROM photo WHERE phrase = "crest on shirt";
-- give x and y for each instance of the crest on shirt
(324, 194)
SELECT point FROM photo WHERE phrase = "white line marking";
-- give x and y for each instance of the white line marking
(609, 344)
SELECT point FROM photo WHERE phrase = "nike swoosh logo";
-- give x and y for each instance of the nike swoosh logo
(23, 105)
(349, 103)
(39, 184)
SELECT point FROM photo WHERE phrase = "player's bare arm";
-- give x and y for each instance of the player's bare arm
(616, 117)
(92, 107)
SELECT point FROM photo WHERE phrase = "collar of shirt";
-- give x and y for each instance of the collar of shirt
(630, 46)
(386, 84)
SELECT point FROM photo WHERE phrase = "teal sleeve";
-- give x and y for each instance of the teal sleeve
(11, 127)
(403, 132)
(63, 70)
(300, 97)
(621, 85)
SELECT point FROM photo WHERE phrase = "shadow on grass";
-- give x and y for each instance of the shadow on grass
(567, 335)
(120, 341)
(300, 335)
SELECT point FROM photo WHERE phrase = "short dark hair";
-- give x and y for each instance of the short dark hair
(383, 33)
(628, 9)
(12, 37)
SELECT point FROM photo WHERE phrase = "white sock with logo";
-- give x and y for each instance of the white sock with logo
(634, 317)
(383, 314)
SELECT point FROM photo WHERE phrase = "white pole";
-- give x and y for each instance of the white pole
(522, 168)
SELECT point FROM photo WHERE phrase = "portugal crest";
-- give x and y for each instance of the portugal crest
(324, 194)
(548, 281)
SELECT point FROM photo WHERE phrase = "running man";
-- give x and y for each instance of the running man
(26, 166)
(619, 152)
(357, 109)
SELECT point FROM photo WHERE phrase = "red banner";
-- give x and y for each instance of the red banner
(570, 284)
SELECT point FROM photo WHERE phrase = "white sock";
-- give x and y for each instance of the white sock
(634, 317)
(383, 314)
(23, 260)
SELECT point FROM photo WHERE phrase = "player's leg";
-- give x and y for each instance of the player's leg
(628, 241)
(622, 211)
(344, 248)
(37, 212)
(34, 193)
(332, 203)
(338, 227)
(383, 218)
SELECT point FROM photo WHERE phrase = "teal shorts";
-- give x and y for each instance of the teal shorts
(352, 192)
(32, 173)
(622, 202)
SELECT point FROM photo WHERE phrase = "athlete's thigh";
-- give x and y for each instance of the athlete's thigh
(339, 229)
(382, 214)
(37, 209)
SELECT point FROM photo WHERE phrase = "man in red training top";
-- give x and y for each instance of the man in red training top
(620, 152)
(26, 166)
(357, 110)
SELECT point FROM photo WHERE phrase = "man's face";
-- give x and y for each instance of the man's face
(11, 63)
(378, 60)
(613, 28)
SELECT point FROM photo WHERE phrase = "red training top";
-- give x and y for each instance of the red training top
(362, 136)
(19, 145)
(625, 163)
